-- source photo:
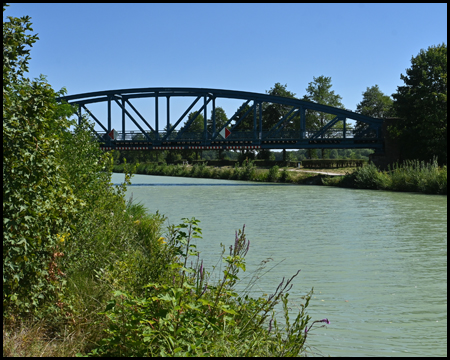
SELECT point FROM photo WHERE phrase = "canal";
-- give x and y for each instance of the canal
(377, 260)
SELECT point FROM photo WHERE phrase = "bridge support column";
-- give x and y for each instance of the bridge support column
(123, 118)
(392, 151)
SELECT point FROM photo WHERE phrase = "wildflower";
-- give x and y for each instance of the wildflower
(137, 222)
(161, 240)
(325, 321)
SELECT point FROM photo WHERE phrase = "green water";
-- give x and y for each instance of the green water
(377, 260)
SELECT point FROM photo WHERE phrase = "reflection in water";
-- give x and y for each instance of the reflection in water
(377, 260)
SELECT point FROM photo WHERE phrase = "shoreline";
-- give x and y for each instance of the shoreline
(428, 180)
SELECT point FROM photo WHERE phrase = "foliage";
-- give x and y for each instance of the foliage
(272, 113)
(273, 174)
(319, 91)
(374, 104)
(38, 200)
(220, 117)
(196, 122)
(189, 315)
(415, 176)
(368, 177)
(421, 105)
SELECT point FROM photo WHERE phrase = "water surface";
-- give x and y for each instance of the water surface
(377, 260)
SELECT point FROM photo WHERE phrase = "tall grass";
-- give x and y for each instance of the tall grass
(412, 175)
(150, 295)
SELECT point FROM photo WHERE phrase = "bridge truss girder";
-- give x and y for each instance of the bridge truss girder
(258, 137)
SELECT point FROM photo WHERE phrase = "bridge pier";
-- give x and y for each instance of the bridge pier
(392, 151)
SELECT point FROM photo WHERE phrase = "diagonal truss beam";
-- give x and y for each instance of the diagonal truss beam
(96, 120)
(187, 124)
(238, 111)
(326, 127)
(283, 119)
(132, 119)
(137, 112)
(252, 108)
(181, 118)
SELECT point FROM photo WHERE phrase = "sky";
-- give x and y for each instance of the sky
(245, 47)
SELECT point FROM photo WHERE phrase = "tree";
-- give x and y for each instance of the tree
(319, 91)
(246, 123)
(273, 112)
(421, 105)
(38, 201)
(221, 119)
(53, 180)
(374, 104)
(198, 124)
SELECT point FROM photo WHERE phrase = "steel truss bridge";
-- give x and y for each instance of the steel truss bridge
(289, 131)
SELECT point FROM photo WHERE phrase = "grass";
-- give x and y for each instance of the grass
(411, 176)
(245, 171)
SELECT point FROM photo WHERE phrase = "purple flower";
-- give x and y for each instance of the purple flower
(325, 321)
(306, 330)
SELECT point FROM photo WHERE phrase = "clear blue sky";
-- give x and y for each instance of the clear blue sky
(247, 47)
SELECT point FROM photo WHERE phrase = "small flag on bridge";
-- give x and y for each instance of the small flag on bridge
(225, 133)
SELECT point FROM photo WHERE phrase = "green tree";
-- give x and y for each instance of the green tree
(198, 124)
(265, 154)
(421, 105)
(319, 91)
(374, 104)
(38, 201)
(247, 122)
(272, 112)
(221, 119)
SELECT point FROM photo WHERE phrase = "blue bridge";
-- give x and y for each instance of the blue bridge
(262, 122)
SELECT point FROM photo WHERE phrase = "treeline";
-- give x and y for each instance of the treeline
(174, 156)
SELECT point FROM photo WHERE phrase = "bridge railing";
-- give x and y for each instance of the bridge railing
(241, 135)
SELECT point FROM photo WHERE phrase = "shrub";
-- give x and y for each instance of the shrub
(368, 177)
(285, 176)
(273, 174)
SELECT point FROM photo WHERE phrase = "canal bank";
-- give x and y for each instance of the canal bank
(412, 176)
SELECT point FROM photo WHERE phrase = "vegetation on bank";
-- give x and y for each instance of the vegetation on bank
(85, 272)
(245, 171)
(414, 176)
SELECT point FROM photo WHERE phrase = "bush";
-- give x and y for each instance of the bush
(273, 174)
(285, 176)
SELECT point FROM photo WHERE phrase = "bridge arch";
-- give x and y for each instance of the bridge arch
(287, 132)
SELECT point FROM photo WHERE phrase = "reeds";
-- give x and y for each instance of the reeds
(411, 175)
